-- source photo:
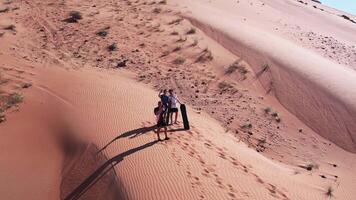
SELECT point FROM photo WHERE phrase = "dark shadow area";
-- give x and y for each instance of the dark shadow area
(176, 130)
(102, 170)
(130, 134)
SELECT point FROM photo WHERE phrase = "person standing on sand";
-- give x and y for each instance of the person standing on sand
(159, 112)
(173, 99)
(165, 101)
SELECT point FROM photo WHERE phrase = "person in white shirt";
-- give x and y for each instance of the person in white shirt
(173, 99)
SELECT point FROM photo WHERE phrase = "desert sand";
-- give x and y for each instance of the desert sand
(269, 85)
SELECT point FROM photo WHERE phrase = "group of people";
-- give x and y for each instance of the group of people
(166, 109)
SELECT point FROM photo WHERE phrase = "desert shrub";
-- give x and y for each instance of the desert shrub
(175, 33)
(14, 99)
(274, 114)
(246, 126)
(237, 66)
(165, 53)
(112, 47)
(3, 10)
(179, 61)
(191, 31)
(156, 10)
(309, 166)
(329, 192)
(267, 110)
(103, 32)
(264, 69)
(195, 43)
(74, 17)
(162, 2)
(177, 48)
(10, 27)
(176, 21)
(204, 56)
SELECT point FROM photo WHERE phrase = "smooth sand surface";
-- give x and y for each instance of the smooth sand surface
(83, 127)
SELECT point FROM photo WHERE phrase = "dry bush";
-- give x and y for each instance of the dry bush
(175, 33)
(165, 53)
(176, 21)
(191, 31)
(178, 61)
(195, 43)
(13, 99)
(157, 10)
(9, 27)
(103, 32)
(246, 126)
(329, 192)
(177, 48)
(74, 17)
(112, 47)
(204, 56)
(3, 10)
(264, 69)
(182, 39)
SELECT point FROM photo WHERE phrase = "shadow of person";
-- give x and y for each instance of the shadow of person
(130, 134)
(102, 170)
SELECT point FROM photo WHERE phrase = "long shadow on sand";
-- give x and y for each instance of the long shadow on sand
(102, 170)
(130, 134)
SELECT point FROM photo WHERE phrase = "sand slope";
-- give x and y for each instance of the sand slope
(316, 90)
(85, 125)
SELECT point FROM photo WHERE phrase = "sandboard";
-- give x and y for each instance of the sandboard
(184, 117)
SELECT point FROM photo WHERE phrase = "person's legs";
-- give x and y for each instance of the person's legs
(171, 116)
(165, 133)
(167, 116)
(158, 130)
(175, 118)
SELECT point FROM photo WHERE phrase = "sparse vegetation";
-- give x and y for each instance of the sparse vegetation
(310, 166)
(182, 39)
(26, 85)
(329, 192)
(165, 53)
(175, 33)
(246, 126)
(2, 117)
(274, 114)
(179, 61)
(157, 10)
(74, 17)
(267, 110)
(112, 47)
(177, 48)
(162, 2)
(10, 27)
(237, 66)
(14, 99)
(3, 10)
(264, 69)
(176, 21)
(195, 43)
(191, 31)
(103, 32)
(204, 56)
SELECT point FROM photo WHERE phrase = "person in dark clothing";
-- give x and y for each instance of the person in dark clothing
(161, 123)
(163, 95)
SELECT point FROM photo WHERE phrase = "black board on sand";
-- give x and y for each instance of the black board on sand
(184, 116)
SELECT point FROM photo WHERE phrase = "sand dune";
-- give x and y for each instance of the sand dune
(269, 93)
(310, 88)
